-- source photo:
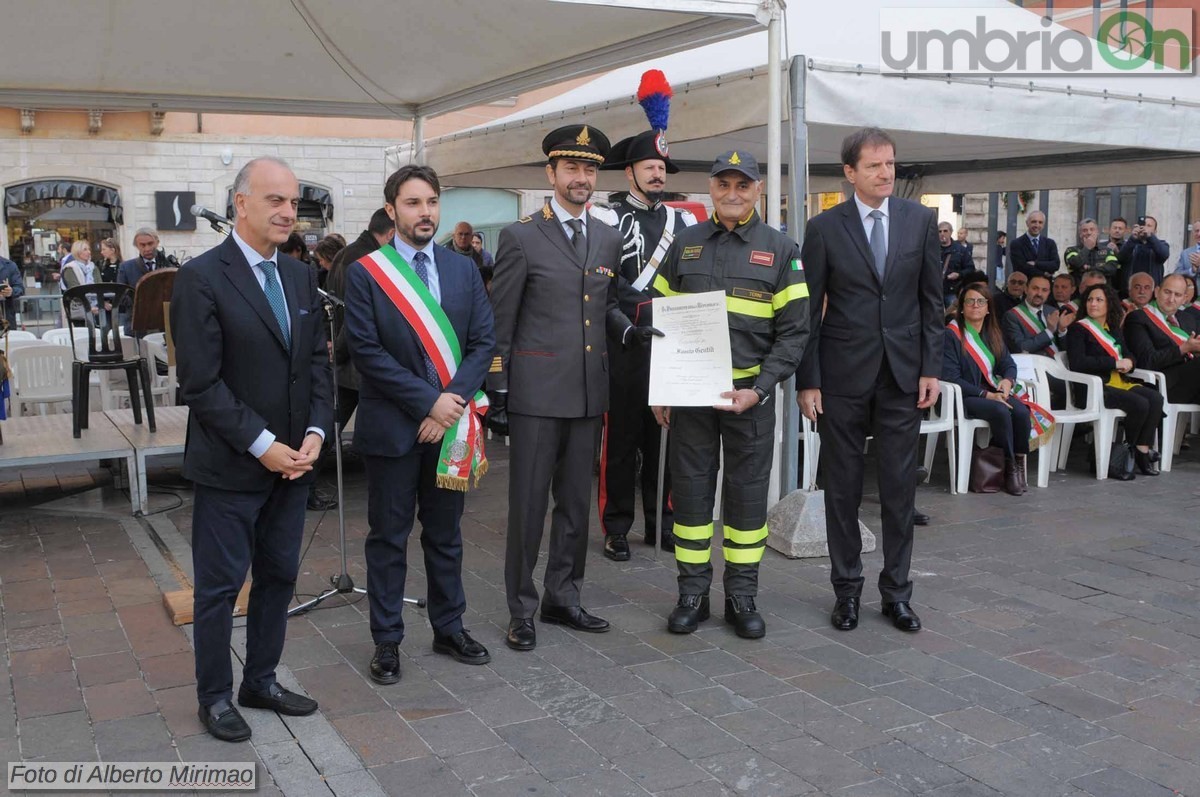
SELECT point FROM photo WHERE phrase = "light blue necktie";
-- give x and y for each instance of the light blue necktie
(878, 247)
(420, 265)
(275, 299)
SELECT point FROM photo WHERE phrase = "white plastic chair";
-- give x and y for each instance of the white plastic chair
(969, 430)
(1047, 456)
(1170, 437)
(1103, 419)
(19, 334)
(41, 376)
(941, 419)
(20, 343)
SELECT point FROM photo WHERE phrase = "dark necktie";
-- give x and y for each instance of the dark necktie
(1171, 320)
(149, 265)
(420, 265)
(1041, 318)
(578, 240)
(878, 246)
(275, 299)
(1034, 241)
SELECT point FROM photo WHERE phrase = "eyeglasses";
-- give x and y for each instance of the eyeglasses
(975, 302)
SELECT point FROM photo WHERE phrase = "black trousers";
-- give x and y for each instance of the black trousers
(347, 403)
(891, 415)
(1143, 408)
(698, 436)
(399, 489)
(1009, 422)
(233, 532)
(548, 456)
(1183, 382)
(629, 453)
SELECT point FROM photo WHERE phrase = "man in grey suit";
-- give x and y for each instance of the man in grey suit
(555, 299)
(872, 365)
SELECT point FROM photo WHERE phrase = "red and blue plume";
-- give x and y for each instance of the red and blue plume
(654, 95)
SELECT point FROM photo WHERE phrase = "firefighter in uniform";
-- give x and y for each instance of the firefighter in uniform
(766, 299)
(647, 227)
(554, 295)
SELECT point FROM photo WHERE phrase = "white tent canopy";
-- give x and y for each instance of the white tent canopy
(366, 58)
(956, 134)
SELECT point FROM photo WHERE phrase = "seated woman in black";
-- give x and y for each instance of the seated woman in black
(975, 358)
(1095, 346)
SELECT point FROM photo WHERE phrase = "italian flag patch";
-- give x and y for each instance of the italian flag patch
(797, 265)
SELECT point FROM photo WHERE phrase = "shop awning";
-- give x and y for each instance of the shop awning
(78, 190)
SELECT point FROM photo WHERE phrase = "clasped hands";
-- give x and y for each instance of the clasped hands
(446, 411)
(289, 463)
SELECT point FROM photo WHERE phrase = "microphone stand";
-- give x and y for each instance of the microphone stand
(342, 583)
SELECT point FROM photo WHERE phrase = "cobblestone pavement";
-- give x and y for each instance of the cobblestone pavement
(1061, 656)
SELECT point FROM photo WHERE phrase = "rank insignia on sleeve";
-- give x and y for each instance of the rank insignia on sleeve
(762, 258)
(691, 253)
(608, 272)
(497, 366)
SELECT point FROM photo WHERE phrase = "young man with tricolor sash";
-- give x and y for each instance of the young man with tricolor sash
(421, 333)
(1163, 339)
(1034, 327)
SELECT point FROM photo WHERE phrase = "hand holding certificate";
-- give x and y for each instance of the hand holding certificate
(691, 365)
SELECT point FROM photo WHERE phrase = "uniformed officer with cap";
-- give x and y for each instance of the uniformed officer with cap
(766, 299)
(555, 298)
(647, 227)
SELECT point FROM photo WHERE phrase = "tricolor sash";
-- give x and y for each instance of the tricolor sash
(462, 455)
(1106, 341)
(1024, 313)
(1159, 320)
(1195, 305)
(1041, 421)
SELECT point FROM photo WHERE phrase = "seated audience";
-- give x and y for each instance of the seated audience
(1033, 327)
(1163, 339)
(1062, 293)
(1096, 346)
(1013, 293)
(1141, 291)
(974, 357)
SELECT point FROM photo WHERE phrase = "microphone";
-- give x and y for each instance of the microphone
(201, 212)
(329, 297)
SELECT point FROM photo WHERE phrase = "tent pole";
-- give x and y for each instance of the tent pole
(774, 121)
(418, 144)
(797, 217)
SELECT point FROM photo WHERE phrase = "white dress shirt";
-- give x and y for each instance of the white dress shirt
(408, 252)
(869, 223)
(564, 215)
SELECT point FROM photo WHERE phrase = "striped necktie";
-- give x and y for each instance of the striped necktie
(420, 265)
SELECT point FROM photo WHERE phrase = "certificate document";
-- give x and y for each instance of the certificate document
(690, 365)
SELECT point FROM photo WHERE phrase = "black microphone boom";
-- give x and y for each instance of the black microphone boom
(201, 212)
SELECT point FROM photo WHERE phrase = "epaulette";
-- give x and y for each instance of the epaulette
(524, 220)
(604, 214)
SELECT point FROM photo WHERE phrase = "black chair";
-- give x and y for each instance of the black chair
(98, 305)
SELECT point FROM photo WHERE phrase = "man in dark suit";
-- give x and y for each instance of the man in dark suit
(1034, 253)
(417, 413)
(131, 271)
(872, 364)
(254, 371)
(1163, 339)
(555, 298)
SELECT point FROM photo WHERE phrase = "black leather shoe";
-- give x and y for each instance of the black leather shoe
(845, 614)
(521, 634)
(902, 616)
(1146, 462)
(277, 699)
(461, 647)
(688, 613)
(651, 537)
(920, 518)
(385, 664)
(922, 473)
(575, 617)
(616, 547)
(319, 501)
(224, 722)
(744, 617)
(668, 541)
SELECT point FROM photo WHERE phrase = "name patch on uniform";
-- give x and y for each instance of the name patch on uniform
(691, 253)
(753, 295)
(762, 258)
(608, 272)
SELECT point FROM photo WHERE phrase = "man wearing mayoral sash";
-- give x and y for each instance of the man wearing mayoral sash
(420, 331)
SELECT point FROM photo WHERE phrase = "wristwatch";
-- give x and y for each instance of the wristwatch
(764, 396)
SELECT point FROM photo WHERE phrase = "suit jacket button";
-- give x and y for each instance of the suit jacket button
(587, 347)
(587, 298)
(587, 322)
(884, 330)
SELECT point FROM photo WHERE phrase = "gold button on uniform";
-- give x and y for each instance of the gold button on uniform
(586, 298)
(587, 322)
(587, 347)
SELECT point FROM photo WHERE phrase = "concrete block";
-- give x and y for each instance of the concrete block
(796, 526)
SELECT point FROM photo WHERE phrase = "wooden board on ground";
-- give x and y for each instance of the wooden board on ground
(179, 604)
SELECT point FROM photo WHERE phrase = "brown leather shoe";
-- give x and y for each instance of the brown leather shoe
(1012, 481)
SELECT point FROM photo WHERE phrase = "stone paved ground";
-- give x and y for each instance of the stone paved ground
(1061, 656)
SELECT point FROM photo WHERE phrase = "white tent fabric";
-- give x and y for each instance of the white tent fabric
(965, 134)
(367, 58)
